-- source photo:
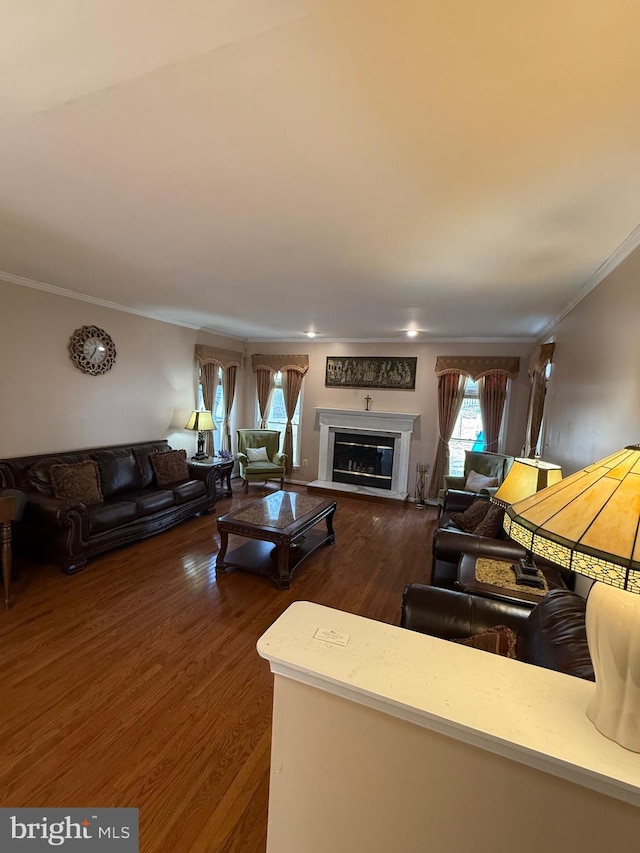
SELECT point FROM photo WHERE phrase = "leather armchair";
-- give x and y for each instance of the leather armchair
(551, 635)
(260, 471)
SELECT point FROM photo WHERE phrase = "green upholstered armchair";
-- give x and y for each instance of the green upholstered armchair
(482, 462)
(260, 470)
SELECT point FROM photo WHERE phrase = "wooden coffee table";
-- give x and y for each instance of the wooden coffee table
(507, 590)
(283, 519)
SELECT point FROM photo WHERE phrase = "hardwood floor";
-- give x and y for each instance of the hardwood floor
(137, 683)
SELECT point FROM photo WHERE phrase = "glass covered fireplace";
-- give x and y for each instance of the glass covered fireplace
(363, 460)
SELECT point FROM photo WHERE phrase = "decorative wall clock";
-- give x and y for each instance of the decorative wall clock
(92, 350)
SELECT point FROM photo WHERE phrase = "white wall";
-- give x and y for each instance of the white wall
(48, 404)
(593, 402)
(423, 401)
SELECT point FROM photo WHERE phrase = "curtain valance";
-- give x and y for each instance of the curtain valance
(478, 366)
(224, 357)
(540, 358)
(276, 363)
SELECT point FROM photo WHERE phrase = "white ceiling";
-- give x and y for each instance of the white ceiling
(357, 167)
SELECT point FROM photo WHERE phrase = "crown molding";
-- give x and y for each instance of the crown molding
(320, 339)
(93, 300)
(628, 245)
(105, 303)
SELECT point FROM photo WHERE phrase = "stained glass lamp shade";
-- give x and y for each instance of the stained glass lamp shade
(589, 523)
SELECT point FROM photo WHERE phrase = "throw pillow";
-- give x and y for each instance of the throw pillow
(170, 467)
(491, 524)
(470, 518)
(257, 454)
(477, 482)
(79, 481)
(499, 640)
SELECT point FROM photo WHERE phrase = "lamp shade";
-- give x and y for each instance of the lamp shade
(200, 421)
(589, 523)
(525, 478)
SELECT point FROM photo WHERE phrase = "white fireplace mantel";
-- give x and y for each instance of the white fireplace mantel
(397, 424)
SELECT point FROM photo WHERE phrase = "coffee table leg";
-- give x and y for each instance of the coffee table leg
(282, 580)
(224, 541)
(331, 535)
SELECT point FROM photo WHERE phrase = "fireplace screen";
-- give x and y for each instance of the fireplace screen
(363, 460)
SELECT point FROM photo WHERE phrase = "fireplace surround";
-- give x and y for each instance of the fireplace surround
(394, 428)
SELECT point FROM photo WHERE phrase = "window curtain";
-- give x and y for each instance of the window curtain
(209, 382)
(492, 396)
(229, 376)
(451, 387)
(210, 360)
(265, 380)
(291, 386)
(266, 366)
(540, 359)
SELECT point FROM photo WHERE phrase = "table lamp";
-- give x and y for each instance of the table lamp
(589, 523)
(200, 422)
(525, 478)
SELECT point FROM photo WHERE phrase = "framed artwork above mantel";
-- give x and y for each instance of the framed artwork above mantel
(390, 372)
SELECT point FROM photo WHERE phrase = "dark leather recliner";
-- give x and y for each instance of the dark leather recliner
(551, 635)
(450, 543)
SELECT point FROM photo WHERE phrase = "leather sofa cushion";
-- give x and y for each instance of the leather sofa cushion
(184, 492)
(106, 516)
(142, 457)
(150, 501)
(118, 471)
(554, 636)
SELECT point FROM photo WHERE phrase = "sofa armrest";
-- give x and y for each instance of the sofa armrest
(242, 457)
(206, 473)
(54, 512)
(279, 458)
(451, 482)
(55, 530)
(448, 545)
(456, 500)
(449, 614)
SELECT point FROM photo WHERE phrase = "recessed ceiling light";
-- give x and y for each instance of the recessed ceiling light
(311, 334)
(411, 333)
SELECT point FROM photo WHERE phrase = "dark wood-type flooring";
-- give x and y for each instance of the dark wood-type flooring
(137, 682)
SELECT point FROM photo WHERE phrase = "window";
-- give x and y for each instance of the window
(218, 409)
(467, 433)
(278, 417)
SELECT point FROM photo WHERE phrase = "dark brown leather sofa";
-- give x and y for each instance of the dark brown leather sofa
(133, 505)
(551, 635)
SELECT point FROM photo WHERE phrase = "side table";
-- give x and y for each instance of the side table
(222, 469)
(508, 590)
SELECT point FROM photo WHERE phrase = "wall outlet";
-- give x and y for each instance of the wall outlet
(305, 462)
